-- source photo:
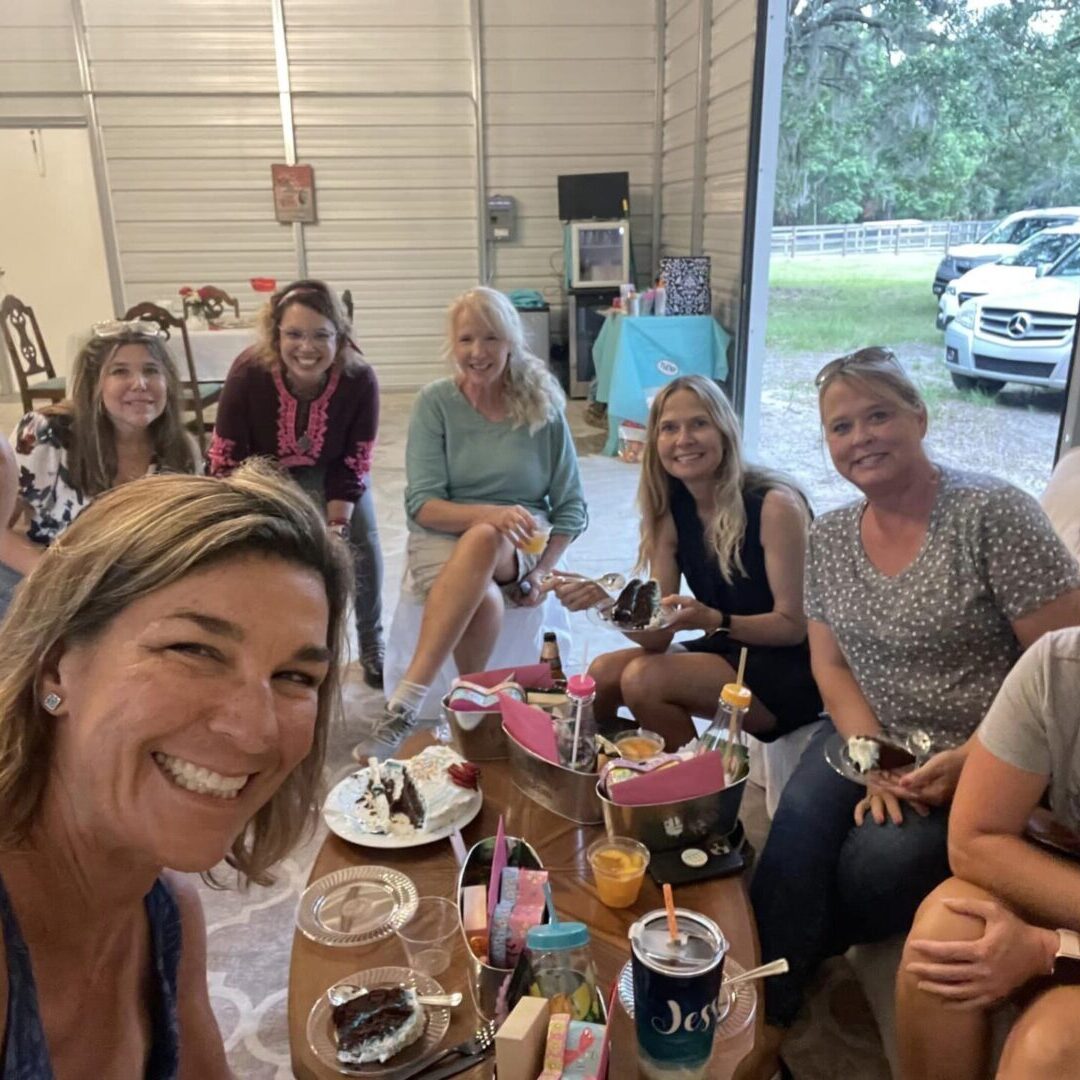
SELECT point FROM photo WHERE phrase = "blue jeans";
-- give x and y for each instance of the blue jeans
(823, 883)
(367, 558)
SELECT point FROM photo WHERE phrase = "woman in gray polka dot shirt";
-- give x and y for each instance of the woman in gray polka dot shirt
(920, 596)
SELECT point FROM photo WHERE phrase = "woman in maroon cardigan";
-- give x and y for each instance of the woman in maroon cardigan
(304, 397)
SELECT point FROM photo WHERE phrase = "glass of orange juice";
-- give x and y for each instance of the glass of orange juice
(536, 543)
(618, 865)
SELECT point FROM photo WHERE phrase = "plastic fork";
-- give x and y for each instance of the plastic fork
(481, 1041)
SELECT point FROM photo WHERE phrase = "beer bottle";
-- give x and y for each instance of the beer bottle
(549, 655)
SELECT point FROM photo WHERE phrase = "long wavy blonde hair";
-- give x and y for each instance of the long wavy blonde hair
(533, 396)
(734, 476)
(136, 539)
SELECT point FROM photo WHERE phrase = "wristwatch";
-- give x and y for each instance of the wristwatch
(725, 624)
(1067, 957)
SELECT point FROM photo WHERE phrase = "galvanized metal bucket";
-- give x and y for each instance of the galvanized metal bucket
(477, 735)
(487, 981)
(563, 791)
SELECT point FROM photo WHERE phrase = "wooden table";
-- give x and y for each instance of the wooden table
(562, 846)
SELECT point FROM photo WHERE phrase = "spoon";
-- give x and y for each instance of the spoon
(342, 992)
(608, 582)
(776, 967)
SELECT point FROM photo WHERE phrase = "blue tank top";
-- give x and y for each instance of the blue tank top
(25, 1056)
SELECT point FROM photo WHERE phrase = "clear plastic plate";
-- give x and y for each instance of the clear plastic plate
(358, 905)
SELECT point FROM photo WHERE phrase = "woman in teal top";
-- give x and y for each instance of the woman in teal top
(493, 494)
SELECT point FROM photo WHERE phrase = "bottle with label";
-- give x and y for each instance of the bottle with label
(549, 654)
(660, 299)
(726, 732)
(562, 969)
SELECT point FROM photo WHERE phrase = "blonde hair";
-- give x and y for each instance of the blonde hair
(316, 296)
(875, 370)
(734, 476)
(533, 396)
(88, 431)
(138, 538)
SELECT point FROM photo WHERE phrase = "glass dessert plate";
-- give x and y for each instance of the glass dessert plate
(323, 1041)
(600, 614)
(837, 755)
(358, 905)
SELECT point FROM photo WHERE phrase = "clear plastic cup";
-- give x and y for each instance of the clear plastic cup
(618, 865)
(536, 543)
(429, 936)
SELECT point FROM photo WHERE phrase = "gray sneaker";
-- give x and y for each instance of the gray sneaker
(398, 720)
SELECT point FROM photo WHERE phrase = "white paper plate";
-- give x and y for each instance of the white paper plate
(339, 814)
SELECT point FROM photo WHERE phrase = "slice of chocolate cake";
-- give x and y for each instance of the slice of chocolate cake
(622, 614)
(376, 1025)
(647, 604)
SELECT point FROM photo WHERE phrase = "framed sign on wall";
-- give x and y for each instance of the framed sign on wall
(294, 193)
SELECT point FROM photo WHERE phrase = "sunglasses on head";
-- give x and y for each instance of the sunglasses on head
(871, 357)
(115, 328)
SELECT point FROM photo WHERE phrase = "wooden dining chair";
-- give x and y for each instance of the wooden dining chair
(214, 302)
(196, 396)
(29, 357)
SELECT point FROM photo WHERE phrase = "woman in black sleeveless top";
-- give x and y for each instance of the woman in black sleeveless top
(737, 533)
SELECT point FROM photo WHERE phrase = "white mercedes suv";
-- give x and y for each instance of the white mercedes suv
(1022, 336)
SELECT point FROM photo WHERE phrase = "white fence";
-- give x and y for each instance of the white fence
(875, 238)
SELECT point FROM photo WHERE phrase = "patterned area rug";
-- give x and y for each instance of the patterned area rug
(250, 934)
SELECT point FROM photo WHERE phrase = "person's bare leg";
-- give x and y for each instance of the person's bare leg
(607, 670)
(1045, 1041)
(477, 643)
(934, 1042)
(480, 555)
(665, 690)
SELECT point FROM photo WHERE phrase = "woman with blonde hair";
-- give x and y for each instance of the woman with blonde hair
(490, 468)
(121, 420)
(920, 596)
(304, 397)
(737, 533)
(157, 714)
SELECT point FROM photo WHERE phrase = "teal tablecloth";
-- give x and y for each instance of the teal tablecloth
(635, 355)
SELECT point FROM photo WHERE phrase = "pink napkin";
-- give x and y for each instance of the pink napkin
(535, 675)
(530, 727)
(498, 861)
(701, 775)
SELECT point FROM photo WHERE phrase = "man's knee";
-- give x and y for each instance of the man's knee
(936, 921)
(1045, 1041)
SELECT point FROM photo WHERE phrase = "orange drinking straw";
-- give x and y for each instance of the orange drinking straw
(669, 904)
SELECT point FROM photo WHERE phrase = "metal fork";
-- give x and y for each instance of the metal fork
(482, 1040)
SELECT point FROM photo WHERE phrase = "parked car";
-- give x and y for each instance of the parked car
(1023, 336)
(1003, 239)
(1034, 258)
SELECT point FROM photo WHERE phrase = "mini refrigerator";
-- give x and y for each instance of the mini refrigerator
(585, 319)
(599, 254)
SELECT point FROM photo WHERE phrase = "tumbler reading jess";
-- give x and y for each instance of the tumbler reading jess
(677, 990)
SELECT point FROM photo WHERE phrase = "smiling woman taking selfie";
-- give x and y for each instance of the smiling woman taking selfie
(921, 596)
(304, 397)
(156, 715)
(121, 420)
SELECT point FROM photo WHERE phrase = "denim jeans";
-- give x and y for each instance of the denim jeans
(823, 884)
(367, 558)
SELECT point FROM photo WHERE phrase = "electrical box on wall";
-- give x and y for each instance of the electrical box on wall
(501, 217)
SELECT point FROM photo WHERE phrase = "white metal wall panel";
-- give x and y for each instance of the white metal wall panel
(395, 175)
(569, 87)
(39, 73)
(727, 149)
(680, 119)
(190, 125)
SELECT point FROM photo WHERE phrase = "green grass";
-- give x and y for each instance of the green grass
(835, 304)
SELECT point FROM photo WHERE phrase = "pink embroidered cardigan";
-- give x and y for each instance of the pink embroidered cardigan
(258, 417)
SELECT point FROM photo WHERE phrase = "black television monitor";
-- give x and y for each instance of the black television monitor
(605, 196)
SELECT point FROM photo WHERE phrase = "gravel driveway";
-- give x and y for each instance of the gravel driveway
(1012, 436)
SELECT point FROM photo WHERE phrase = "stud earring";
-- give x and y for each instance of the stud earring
(52, 702)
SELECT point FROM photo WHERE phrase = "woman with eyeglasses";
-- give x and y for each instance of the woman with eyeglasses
(121, 420)
(304, 397)
(920, 596)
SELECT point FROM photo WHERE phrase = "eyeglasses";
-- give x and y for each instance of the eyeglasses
(114, 328)
(871, 357)
(320, 337)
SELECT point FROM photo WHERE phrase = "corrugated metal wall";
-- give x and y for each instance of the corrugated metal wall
(187, 95)
(39, 73)
(727, 150)
(569, 88)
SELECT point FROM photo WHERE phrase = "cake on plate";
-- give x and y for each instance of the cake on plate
(425, 793)
(637, 607)
(377, 1024)
(868, 755)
